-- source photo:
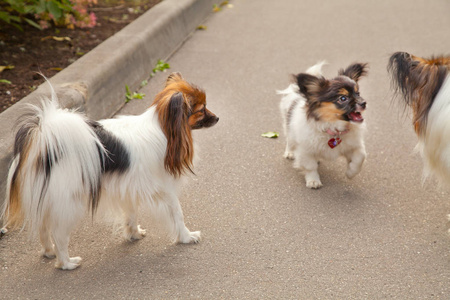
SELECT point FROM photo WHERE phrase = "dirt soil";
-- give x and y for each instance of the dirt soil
(34, 51)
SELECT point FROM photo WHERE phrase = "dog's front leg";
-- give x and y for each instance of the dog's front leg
(355, 160)
(309, 165)
(182, 234)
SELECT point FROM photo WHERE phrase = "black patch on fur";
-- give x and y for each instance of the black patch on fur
(117, 158)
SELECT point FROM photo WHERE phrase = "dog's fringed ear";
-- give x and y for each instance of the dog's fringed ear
(355, 71)
(174, 77)
(418, 81)
(174, 121)
(309, 85)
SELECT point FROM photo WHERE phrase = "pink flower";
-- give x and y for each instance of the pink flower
(92, 20)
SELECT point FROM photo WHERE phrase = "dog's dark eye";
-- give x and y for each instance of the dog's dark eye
(343, 98)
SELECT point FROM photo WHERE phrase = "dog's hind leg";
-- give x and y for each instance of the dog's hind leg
(183, 235)
(61, 238)
(289, 151)
(63, 223)
(132, 230)
(46, 242)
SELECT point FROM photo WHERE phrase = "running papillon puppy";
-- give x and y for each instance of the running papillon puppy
(322, 120)
(66, 164)
(424, 85)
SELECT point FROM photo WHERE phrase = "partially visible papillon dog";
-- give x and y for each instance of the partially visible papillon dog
(322, 120)
(66, 164)
(424, 85)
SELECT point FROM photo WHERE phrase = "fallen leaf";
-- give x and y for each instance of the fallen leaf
(57, 38)
(202, 27)
(2, 68)
(270, 134)
(62, 38)
(5, 81)
(56, 69)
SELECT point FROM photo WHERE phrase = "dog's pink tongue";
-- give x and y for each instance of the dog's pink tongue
(356, 116)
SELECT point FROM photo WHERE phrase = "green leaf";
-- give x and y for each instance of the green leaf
(54, 9)
(138, 96)
(270, 134)
(32, 23)
(5, 81)
(129, 96)
(161, 66)
(41, 7)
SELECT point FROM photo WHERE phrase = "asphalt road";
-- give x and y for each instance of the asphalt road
(381, 235)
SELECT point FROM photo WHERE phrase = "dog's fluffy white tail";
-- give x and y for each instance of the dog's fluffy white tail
(316, 70)
(55, 170)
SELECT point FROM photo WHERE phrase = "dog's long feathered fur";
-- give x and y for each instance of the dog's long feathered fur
(424, 85)
(65, 164)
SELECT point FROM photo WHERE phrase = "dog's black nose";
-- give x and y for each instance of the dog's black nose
(363, 105)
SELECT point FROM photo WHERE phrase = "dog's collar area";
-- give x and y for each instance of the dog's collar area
(336, 132)
(336, 137)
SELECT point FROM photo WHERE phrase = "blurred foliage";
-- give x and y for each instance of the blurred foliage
(42, 14)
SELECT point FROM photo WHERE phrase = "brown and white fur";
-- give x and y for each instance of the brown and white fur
(65, 165)
(424, 85)
(316, 110)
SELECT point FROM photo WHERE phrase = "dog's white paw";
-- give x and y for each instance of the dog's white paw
(350, 173)
(288, 155)
(139, 234)
(73, 263)
(191, 238)
(313, 184)
(132, 234)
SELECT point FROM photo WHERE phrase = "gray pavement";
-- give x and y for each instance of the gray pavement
(382, 235)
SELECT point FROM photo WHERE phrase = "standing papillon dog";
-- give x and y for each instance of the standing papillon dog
(424, 85)
(65, 164)
(322, 120)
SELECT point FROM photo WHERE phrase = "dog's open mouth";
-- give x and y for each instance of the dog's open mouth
(355, 116)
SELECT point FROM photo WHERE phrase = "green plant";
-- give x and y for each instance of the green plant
(15, 12)
(5, 81)
(161, 66)
(129, 95)
(144, 83)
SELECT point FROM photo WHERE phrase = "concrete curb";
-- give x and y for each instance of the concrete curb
(96, 82)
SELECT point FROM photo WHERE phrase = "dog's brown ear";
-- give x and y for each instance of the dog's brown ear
(173, 117)
(310, 85)
(355, 71)
(174, 77)
(418, 81)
